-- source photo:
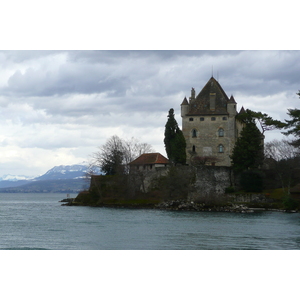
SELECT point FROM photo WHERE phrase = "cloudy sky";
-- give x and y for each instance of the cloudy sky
(58, 107)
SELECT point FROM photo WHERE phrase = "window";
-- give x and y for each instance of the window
(213, 118)
(224, 118)
(221, 148)
(201, 119)
(194, 149)
(221, 132)
(194, 133)
(191, 119)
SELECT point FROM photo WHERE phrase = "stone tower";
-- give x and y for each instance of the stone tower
(209, 124)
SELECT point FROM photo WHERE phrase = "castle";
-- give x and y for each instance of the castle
(209, 124)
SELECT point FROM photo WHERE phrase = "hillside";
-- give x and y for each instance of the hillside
(49, 186)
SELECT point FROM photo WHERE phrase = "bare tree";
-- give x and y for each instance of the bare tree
(133, 148)
(114, 156)
(197, 160)
(285, 160)
(279, 150)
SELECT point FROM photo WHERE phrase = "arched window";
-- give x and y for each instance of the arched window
(194, 133)
(221, 132)
(221, 148)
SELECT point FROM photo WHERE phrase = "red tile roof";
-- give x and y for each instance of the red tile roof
(150, 159)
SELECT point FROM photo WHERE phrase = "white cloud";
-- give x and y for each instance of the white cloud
(57, 107)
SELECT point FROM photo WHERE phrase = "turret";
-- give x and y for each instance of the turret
(231, 107)
(184, 107)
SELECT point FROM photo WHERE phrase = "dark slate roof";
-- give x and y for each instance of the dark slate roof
(184, 102)
(242, 110)
(231, 100)
(200, 106)
(150, 159)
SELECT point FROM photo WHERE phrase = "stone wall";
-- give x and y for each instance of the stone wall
(210, 182)
(249, 198)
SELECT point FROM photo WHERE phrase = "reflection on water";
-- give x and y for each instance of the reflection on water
(38, 221)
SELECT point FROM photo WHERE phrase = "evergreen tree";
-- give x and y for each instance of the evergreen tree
(294, 125)
(248, 150)
(174, 140)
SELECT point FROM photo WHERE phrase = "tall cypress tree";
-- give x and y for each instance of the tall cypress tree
(248, 150)
(174, 140)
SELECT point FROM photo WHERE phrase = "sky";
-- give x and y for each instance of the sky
(59, 107)
(128, 64)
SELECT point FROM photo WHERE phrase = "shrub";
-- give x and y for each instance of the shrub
(229, 190)
(289, 203)
(252, 181)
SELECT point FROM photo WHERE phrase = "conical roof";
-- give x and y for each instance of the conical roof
(201, 105)
(242, 110)
(184, 102)
(231, 100)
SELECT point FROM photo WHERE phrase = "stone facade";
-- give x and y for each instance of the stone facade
(209, 124)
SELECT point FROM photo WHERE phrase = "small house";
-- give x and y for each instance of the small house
(149, 161)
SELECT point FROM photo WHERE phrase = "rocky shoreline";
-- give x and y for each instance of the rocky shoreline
(193, 206)
(184, 205)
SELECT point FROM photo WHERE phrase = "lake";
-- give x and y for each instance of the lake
(38, 221)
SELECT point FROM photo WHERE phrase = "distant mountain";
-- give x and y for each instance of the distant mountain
(64, 172)
(49, 186)
(10, 177)
(9, 183)
(69, 178)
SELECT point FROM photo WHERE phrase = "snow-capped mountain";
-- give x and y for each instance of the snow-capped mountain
(66, 172)
(76, 171)
(71, 178)
(10, 177)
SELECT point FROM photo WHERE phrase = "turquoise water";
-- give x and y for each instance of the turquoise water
(38, 221)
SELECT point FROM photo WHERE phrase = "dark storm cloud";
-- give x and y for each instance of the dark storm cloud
(99, 71)
(79, 83)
